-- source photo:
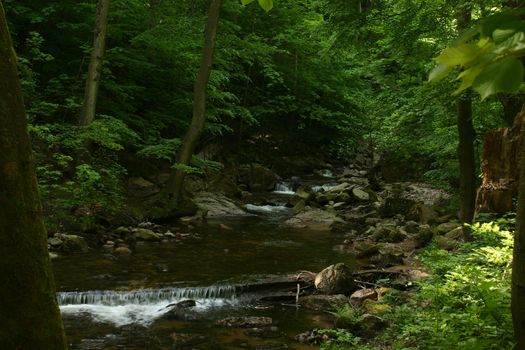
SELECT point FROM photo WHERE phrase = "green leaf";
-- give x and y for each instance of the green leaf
(468, 77)
(246, 2)
(503, 76)
(460, 55)
(439, 72)
(266, 4)
(513, 43)
(499, 21)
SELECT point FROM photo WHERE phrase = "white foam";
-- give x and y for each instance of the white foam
(142, 306)
(283, 188)
(266, 208)
(142, 314)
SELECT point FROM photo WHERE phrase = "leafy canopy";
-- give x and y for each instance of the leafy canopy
(489, 56)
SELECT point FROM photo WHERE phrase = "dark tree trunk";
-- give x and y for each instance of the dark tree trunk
(511, 107)
(30, 318)
(95, 65)
(500, 168)
(466, 153)
(518, 261)
(191, 138)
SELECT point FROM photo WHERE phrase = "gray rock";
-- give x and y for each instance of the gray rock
(122, 231)
(54, 242)
(361, 295)
(446, 227)
(216, 205)
(315, 219)
(335, 279)
(144, 234)
(319, 302)
(122, 251)
(74, 243)
(257, 178)
(360, 194)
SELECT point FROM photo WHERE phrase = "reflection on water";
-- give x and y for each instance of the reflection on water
(104, 298)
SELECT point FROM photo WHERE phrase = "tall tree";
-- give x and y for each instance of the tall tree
(467, 161)
(518, 260)
(95, 65)
(30, 315)
(199, 100)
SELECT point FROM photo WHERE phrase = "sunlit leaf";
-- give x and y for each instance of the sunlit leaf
(503, 76)
(460, 55)
(246, 2)
(266, 4)
(439, 72)
(468, 76)
(514, 43)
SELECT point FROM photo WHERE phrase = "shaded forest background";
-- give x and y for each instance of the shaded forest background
(311, 79)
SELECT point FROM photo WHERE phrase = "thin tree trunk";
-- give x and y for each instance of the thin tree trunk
(518, 262)
(466, 152)
(30, 315)
(467, 161)
(199, 101)
(95, 65)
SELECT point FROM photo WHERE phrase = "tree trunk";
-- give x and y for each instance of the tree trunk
(466, 153)
(30, 315)
(467, 160)
(199, 101)
(518, 262)
(500, 168)
(95, 65)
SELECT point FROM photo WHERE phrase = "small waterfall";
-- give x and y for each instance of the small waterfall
(142, 306)
(284, 188)
(146, 296)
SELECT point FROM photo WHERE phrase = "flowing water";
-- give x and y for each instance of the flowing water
(123, 303)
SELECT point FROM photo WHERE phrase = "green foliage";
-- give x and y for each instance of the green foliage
(199, 166)
(337, 339)
(347, 317)
(489, 58)
(265, 4)
(166, 149)
(464, 304)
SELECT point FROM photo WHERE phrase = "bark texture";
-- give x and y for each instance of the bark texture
(518, 261)
(95, 65)
(500, 168)
(191, 138)
(30, 318)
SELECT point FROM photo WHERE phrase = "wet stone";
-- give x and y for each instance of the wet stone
(245, 322)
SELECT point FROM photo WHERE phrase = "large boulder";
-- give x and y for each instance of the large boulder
(144, 234)
(315, 219)
(216, 204)
(257, 178)
(335, 279)
(73, 243)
